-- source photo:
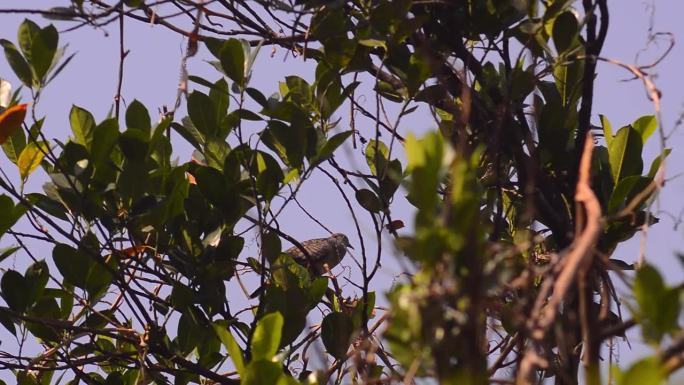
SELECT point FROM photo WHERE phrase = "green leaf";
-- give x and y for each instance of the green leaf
(267, 336)
(565, 30)
(49, 205)
(134, 144)
(134, 3)
(645, 126)
(262, 372)
(618, 264)
(425, 159)
(607, 129)
(284, 379)
(270, 175)
(17, 63)
(368, 200)
(373, 43)
(625, 154)
(337, 330)
(270, 246)
(377, 154)
(14, 144)
(105, 139)
(203, 114)
(72, 264)
(287, 141)
(232, 59)
(298, 90)
(210, 182)
(138, 118)
(30, 158)
(645, 372)
(189, 335)
(653, 170)
(38, 45)
(331, 145)
(15, 290)
(624, 188)
(9, 213)
(568, 77)
(317, 290)
(231, 346)
(190, 133)
(220, 96)
(36, 277)
(6, 252)
(6, 321)
(82, 125)
(658, 305)
(257, 96)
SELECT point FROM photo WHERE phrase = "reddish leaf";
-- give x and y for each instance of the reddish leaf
(10, 120)
(395, 225)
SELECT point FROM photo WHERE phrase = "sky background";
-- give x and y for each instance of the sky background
(152, 73)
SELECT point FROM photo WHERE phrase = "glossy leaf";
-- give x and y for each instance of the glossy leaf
(658, 305)
(647, 371)
(607, 129)
(17, 63)
(137, 117)
(232, 59)
(368, 200)
(9, 213)
(15, 290)
(377, 154)
(105, 138)
(220, 96)
(267, 335)
(336, 331)
(14, 144)
(645, 126)
(331, 145)
(655, 166)
(203, 114)
(6, 321)
(6, 252)
(134, 144)
(30, 158)
(39, 46)
(11, 120)
(262, 372)
(231, 346)
(625, 153)
(565, 29)
(72, 264)
(625, 188)
(82, 125)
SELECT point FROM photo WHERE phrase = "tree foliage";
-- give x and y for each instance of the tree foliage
(128, 263)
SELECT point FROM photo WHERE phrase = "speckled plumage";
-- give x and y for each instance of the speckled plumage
(323, 251)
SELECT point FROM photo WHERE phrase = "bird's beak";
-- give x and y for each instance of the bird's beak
(350, 246)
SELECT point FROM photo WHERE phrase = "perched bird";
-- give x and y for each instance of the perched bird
(324, 253)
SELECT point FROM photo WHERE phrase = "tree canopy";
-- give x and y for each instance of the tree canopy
(136, 263)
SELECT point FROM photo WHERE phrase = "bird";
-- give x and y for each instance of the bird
(323, 253)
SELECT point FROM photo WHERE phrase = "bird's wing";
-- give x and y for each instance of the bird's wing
(315, 247)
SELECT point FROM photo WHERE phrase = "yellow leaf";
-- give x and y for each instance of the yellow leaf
(10, 120)
(30, 158)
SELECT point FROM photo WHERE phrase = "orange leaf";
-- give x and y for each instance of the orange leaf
(395, 225)
(130, 252)
(10, 120)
